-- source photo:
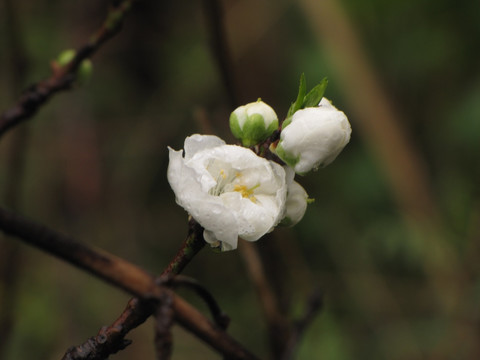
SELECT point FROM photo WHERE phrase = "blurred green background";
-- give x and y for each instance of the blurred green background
(392, 239)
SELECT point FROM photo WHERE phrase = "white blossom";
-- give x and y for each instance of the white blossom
(228, 189)
(314, 137)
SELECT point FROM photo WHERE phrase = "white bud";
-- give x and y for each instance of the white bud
(253, 123)
(314, 137)
(295, 205)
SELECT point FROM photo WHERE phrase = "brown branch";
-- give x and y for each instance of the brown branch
(124, 275)
(102, 264)
(63, 77)
(111, 339)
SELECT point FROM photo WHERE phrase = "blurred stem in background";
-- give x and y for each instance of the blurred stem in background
(219, 47)
(277, 321)
(377, 119)
(10, 252)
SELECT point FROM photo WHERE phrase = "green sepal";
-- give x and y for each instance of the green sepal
(216, 249)
(287, 122)
(254, 132)
(312, 99)
(288, 159)
(234, 126)
(286, 222)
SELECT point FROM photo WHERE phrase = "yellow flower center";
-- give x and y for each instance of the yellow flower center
(225, 178)
(246, 193)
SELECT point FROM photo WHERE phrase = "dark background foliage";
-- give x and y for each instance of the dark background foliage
(393, 236)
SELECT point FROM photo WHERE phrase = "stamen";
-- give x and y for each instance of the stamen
(246, 193)
(217, 190)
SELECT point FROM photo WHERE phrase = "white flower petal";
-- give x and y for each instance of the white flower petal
(296, 204)
(326, 103)
(262, 109)
(197, 142)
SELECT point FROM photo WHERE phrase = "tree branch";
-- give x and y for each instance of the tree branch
(62, 77)
(137, 310)
(124, 275)
(111, 339)
(164, 317)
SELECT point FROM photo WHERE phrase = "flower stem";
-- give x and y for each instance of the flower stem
(191, 246)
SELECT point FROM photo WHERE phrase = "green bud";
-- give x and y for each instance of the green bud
(253, 123)
(84, 71)
(65, 57)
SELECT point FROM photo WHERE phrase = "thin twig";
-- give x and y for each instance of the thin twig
(313, 306)
(218, 41)
(63, 77)
(190, 247)
(220, 318)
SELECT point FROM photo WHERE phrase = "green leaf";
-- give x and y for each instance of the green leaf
(298, 104)
(312, 99)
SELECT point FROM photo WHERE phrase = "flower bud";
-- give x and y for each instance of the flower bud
(84, 71)
(295, 205)
(65, 57)
(253, 123)
(314, 137)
